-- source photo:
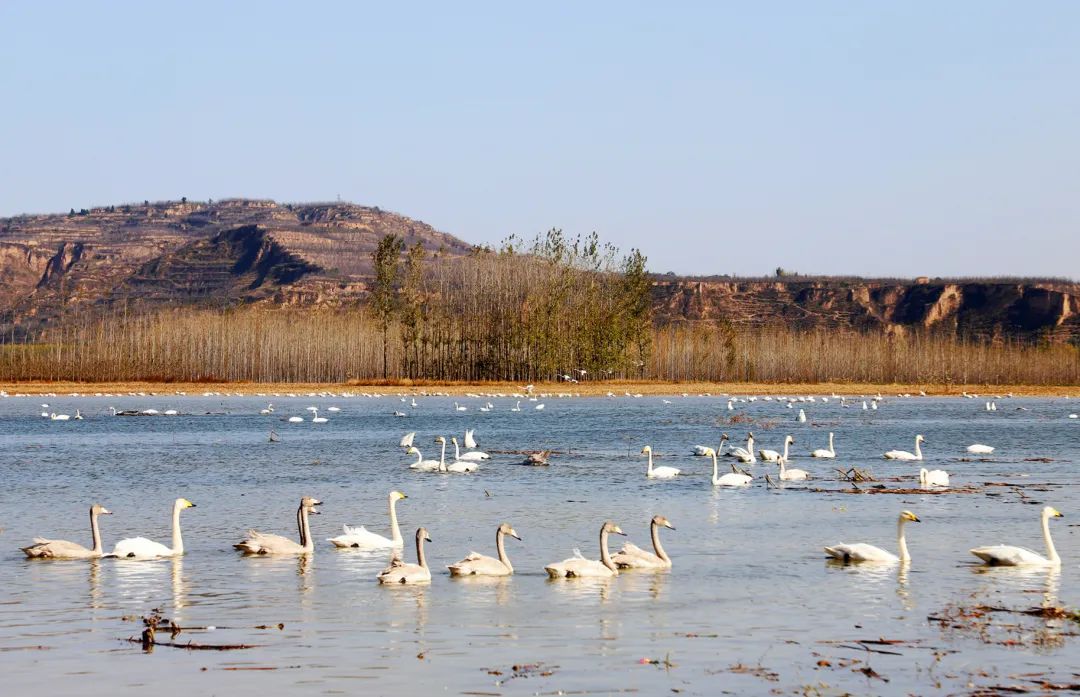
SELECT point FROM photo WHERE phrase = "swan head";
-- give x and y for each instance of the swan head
(412, 450)
(909, 516)
(647, 449)
(397, 495)
(309, 503)
(506, 529)
(662, 521)
(920, 439)
(98, 509)
(453, 440)
(422, 534)
(183, 503)
(440, 439)
(709, 452)
(790, 440)
(1051, 512)
(724, 437)
(612, 528)
(781, 460)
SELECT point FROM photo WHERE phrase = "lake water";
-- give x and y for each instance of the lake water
(751, 605)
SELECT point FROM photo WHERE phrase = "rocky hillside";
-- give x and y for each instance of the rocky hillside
(232, 252)
(193, 253)
(975, 308)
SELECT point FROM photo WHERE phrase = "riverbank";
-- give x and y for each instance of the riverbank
(583, 389)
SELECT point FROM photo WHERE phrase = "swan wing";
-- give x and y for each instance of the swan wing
(665, 472)
(733, 479)
(579, 568)
(404, 574)
(263, 543)
(140, 548)
(860, 552)
(57, 549)
(478, 565)
(899, 455)
(361, 538)
(1008, 555)
(769, 455)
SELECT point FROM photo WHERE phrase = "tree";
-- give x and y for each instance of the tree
(637, 306)
(412, 299)
(386, 258)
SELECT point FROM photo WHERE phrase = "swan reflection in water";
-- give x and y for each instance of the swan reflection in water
(481, 590)
(1048, 631)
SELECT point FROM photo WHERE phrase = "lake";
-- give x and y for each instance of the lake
(750, 606)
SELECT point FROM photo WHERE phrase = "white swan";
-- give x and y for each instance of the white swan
(731, 478)
(59, 417)
(980, 449)
(316, 419)
(745, 454)
(905, 455)
(407, 440)
(262, 543)
(78, 415)
(516, 407)
(406, 574)
(142, 548)
(295, 419)
(44, 548)
(460, 466)
(633, 557)
(792, 475)
(658, 472)
(470, 456)
(802, 416)
(773, 455)
(1007, 555)
(362, 538)
(470, 442)
(578, 566)
(480, 565)
(268, 410)
(458, 407)
(929, 478)
(862, 552)
(423, 465)
(822, 452)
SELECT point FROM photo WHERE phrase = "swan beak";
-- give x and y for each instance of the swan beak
(1058, 514)
(669, 526)
(105, 512)
(427, 538)
(190, 505)
(618, 531)
(515, 536)
(914, 518)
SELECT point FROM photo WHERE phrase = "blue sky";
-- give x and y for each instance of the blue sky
(870, 138)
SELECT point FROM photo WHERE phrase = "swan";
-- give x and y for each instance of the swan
(142, 548)
(336, 409)
(1007, 555)
(516, 407)
(262, 543)
(578, 566)
(295, 419)
(59, 417)
(361, 538)
(458, 407)
(731, 478)
(460, 466)
(802, 416)
(407, 440)
(470, 442)
(792, 475)
(428, 465)
(479, 565)
(78, 415)
(905, 455)
(869, 553)
(772, 455)
(745, 454)
(400, 572)
(316, 419)
(928, 478)
(633, 557)
(470, 456)
(44, 548)
(658, 472)
(822, 452)
(150, 412)
(980, 449)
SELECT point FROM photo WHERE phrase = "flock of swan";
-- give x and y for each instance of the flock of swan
(474, 564)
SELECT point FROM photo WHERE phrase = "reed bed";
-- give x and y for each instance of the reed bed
(337, 346)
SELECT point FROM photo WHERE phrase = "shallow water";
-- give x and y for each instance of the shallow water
(750, 586)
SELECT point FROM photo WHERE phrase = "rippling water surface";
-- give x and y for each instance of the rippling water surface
(751, 605)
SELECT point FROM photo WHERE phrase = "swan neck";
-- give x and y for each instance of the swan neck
(305, 530)
(177, 540)
(442, 458)
(94, 532)
(715, 472)
(918, 449)
(786, 442)
(831, 448)
(605, 558)
(657, 547)
(650, 462)
(500, 545)
(1051, 551)
(420, 552)
(419, 457)
(395, 531)
(901, 540)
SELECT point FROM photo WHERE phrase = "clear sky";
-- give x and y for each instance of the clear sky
(868, 138)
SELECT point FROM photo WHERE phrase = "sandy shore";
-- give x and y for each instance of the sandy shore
(582, 389)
